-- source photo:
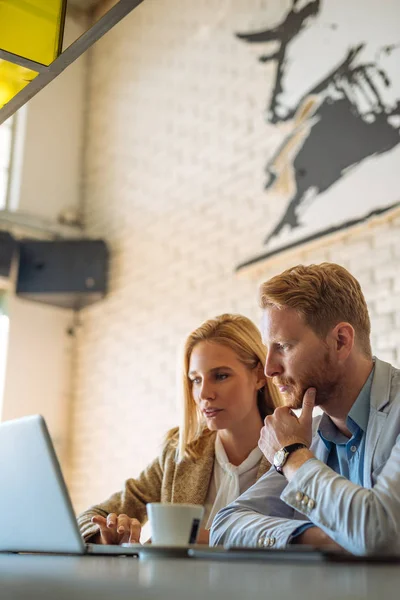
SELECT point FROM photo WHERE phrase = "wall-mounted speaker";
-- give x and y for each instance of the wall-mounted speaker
(8, 249)
(65, 273)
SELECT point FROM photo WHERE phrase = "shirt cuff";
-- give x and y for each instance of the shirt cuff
(299, 531)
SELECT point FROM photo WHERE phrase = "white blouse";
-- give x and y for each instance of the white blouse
(229, 481)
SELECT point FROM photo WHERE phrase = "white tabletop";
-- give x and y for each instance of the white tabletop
(98, 578)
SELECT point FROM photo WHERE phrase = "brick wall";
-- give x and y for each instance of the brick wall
(174, 175)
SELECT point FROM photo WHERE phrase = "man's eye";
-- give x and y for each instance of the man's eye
(283, 346)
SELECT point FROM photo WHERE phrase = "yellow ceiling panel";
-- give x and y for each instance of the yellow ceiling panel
(13, 79)
(32, 29)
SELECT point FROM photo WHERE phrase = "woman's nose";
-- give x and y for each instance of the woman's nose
(207, 392)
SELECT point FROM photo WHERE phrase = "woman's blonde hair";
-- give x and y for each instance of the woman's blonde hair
(242, 336)
(324, 295)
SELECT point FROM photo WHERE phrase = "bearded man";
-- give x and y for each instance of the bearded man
(336, 478)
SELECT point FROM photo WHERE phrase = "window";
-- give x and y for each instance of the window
(6, 136)
(3, 342)
(6, 141)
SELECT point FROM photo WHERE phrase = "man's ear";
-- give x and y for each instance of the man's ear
(343, 337)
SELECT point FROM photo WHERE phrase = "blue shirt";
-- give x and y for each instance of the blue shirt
(346, 456)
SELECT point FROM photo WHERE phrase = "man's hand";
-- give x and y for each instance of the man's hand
(284, 428)
(314, 536)
(117, 529)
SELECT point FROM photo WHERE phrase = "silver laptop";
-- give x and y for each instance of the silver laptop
(37, 513)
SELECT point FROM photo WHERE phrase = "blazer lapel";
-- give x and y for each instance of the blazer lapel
(374, 430)
(317, 445)
(320, 450)
(380, 392)
(192, 477)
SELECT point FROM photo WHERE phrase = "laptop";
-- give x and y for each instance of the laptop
(37, 513)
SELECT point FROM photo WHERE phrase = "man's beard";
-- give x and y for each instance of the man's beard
(322, 377)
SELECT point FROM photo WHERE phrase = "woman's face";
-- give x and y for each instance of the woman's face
(224, 389)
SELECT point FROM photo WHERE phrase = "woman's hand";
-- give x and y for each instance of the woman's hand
(203, 537)
(117, 529)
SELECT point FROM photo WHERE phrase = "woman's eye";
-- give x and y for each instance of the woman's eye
(196, 380)
(221, 376)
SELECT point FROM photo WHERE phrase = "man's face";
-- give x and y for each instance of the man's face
(297, 358)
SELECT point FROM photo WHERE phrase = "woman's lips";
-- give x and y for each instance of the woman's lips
(211, 412)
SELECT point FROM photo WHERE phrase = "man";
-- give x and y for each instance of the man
(336, 481)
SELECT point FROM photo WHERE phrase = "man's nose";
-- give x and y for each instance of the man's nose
(272, 366)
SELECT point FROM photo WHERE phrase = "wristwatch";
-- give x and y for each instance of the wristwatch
(282, 455)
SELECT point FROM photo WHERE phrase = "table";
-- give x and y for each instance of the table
(123, 578)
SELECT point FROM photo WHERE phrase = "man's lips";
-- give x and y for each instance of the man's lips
(282, 386)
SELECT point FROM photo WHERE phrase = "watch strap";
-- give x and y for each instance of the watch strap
(288, 451)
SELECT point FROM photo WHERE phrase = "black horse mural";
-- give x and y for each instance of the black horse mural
(330, 135)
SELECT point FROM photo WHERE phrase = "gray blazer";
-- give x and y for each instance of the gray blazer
(363, 520)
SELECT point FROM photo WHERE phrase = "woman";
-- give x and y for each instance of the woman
(213, 457)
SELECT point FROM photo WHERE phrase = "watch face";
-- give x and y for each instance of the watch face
(279, 458)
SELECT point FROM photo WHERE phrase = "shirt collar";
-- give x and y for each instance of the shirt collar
(249, 463)
(359, 412)
(357, 419)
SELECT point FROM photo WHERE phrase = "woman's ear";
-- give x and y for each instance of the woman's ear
(260, 377)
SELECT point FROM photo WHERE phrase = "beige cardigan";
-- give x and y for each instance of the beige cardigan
(164, 480)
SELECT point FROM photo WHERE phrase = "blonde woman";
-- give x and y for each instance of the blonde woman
(213, 457)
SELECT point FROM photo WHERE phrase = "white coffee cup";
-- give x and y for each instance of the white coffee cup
(174, 524)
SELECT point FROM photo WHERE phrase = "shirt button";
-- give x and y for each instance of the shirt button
(353, 448)
(311, 503)
(272, 541)
(299, 496)
(305, 499)
(260, 542)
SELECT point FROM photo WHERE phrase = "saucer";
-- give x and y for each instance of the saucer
(163, 551)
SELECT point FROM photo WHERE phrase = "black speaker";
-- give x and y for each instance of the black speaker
(8, 248)
(66, 273)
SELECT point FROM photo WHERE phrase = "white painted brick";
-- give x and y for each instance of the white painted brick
(381, 325)
(175, 170)
(387, 236)
(388, 305)
(373, 259)
(384, 272)
(378, 291)
(388, 340)
(389, 356)
(358, 249)
(365, 278)
(396, 250)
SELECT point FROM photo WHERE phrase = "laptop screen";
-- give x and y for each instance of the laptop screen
(34, 499)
